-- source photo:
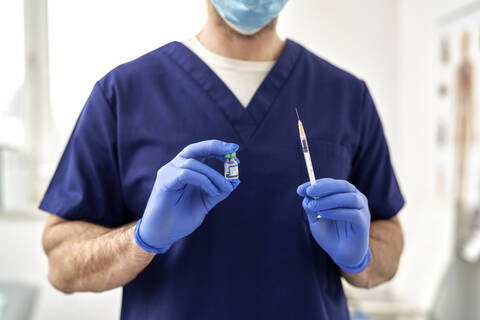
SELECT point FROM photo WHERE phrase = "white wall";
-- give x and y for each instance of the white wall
(88, 38)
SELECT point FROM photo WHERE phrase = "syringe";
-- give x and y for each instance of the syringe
(306, 151)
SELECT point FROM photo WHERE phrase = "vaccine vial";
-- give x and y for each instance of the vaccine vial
(231, 167)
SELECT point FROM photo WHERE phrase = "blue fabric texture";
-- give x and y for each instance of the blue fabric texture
(253, 256)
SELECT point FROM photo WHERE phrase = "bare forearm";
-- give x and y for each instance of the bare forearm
(88, 257)
(386, 246)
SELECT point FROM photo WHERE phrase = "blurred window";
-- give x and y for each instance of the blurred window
(12, 107)
(12, 69)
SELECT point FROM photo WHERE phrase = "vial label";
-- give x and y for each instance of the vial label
(231, 171)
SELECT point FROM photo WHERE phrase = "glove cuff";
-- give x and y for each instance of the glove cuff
(142, 244)
(358, 268)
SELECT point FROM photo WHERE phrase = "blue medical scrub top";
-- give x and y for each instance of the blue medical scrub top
(253, 257)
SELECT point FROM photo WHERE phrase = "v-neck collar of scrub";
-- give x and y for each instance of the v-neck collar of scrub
(245, 121)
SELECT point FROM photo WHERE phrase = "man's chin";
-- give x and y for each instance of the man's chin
(238, 34)
(241, 33)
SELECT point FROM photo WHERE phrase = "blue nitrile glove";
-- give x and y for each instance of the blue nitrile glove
(343, 229)
(185, 190)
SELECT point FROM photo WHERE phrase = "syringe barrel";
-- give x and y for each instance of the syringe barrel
(304, 142)
(308, 160)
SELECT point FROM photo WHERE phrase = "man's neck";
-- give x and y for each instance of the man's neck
(219, 38)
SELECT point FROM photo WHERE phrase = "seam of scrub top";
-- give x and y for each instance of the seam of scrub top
(224, 62)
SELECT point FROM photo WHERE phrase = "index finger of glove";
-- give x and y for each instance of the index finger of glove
(208, 149)
(222, 184)
(302, 189)
(327, 186)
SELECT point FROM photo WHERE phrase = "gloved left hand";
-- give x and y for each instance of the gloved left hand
(339, 220)
(185, 190)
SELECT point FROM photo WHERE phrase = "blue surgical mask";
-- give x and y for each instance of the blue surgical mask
(248, 16)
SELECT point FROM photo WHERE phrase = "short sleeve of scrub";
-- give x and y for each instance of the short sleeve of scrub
(86, 185)
(372, 171)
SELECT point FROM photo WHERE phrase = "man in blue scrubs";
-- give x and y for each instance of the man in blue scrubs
(139, 199)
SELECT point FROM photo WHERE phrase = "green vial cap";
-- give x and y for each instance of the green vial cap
(233, 155)
(228, 156)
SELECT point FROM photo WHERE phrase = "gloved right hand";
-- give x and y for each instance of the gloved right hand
(185, 190)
